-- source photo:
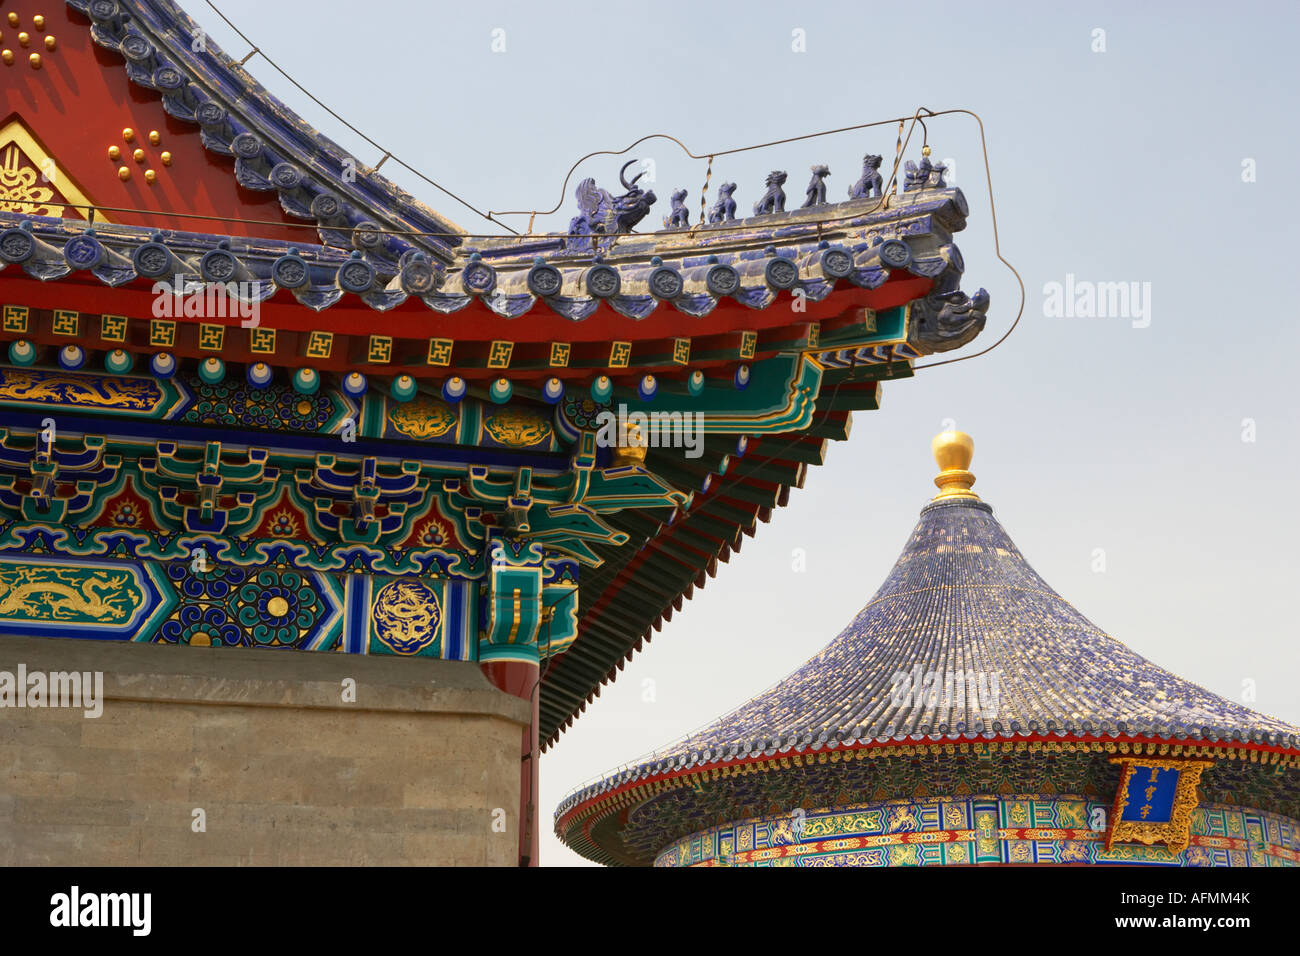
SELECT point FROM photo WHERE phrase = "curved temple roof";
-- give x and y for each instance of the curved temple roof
(774, 323)
(1011, 658)
(384, 247)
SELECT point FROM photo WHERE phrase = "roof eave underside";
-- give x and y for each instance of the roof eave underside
(620, 616)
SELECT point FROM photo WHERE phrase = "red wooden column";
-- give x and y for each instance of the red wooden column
(520, 679)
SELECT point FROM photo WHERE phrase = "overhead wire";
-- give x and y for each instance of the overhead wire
(717, 229)
(388, 154)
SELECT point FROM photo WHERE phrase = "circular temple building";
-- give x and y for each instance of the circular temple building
(967, 715)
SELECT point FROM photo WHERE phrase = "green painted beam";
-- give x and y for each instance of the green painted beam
(764, 497)
(850, 399)
(776, 469)
(826, 427)
(811, 453)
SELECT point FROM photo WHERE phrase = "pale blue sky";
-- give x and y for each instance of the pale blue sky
(1117, 166)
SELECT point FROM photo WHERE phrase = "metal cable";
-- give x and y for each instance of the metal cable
(387, 153)
(704, 193)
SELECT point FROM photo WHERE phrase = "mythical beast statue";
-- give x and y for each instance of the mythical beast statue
(816, 191)
(601, 213)
(774, 199)
(947, 318)
(871, 182)
(724, 209)
(679, 217)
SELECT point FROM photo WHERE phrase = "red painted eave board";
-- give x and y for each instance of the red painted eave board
(414, 320)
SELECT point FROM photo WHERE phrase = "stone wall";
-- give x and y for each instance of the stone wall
(422, 768)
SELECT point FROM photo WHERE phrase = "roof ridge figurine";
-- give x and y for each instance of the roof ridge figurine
(602, 213)
(724, 207)
(871, 182)
(774, 199)
(925, 175)
(679, 217)
(816, 191)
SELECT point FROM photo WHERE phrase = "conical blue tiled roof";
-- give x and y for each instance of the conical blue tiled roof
(1006, 656)
(963, 642)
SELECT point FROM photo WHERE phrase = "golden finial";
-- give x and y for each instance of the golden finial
(925, 150)
(952, 453)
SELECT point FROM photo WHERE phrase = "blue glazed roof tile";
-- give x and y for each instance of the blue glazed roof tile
(498, 274)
